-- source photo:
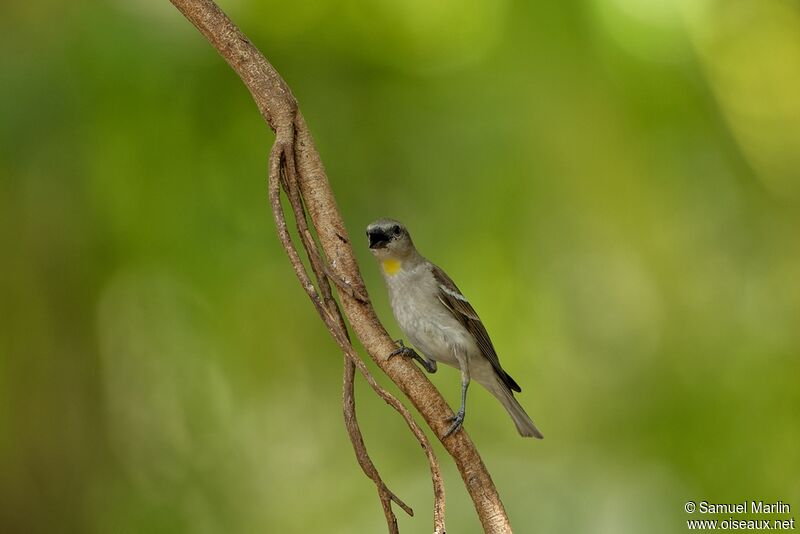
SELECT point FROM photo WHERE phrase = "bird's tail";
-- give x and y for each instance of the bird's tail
(525, 426)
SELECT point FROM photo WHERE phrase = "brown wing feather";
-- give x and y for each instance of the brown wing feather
(466, 315)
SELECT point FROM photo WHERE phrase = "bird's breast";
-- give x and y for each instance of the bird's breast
(424, 320)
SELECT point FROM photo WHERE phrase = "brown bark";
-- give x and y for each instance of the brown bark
(295, 164)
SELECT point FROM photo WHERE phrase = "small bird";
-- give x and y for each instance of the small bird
(440, 322)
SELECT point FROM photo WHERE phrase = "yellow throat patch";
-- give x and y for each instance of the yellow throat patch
(391, 267)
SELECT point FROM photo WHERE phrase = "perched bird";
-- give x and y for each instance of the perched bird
(440, 322)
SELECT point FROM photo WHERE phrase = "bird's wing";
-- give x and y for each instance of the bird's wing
(462, 310)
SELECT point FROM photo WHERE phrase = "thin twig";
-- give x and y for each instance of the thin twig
(351, 422)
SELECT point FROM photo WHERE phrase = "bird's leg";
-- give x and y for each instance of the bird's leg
(458, 418)
(402, 350)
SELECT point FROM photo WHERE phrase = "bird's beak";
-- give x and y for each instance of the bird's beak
(377, 239)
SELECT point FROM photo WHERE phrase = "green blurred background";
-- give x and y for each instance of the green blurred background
(615, 184)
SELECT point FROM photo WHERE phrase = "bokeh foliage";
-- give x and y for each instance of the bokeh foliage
(615, 184)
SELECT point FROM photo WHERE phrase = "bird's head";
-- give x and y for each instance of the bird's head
(389, 240)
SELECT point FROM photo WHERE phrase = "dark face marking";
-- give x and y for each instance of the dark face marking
(382, 234)
(378, 238)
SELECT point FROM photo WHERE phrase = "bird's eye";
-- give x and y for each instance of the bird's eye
(396, 230)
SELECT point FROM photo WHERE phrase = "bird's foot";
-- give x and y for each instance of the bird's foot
(458, 421)
(408, 352)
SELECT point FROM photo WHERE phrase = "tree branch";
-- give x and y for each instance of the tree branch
(295, 164)
(282, 171)
(331, 315)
